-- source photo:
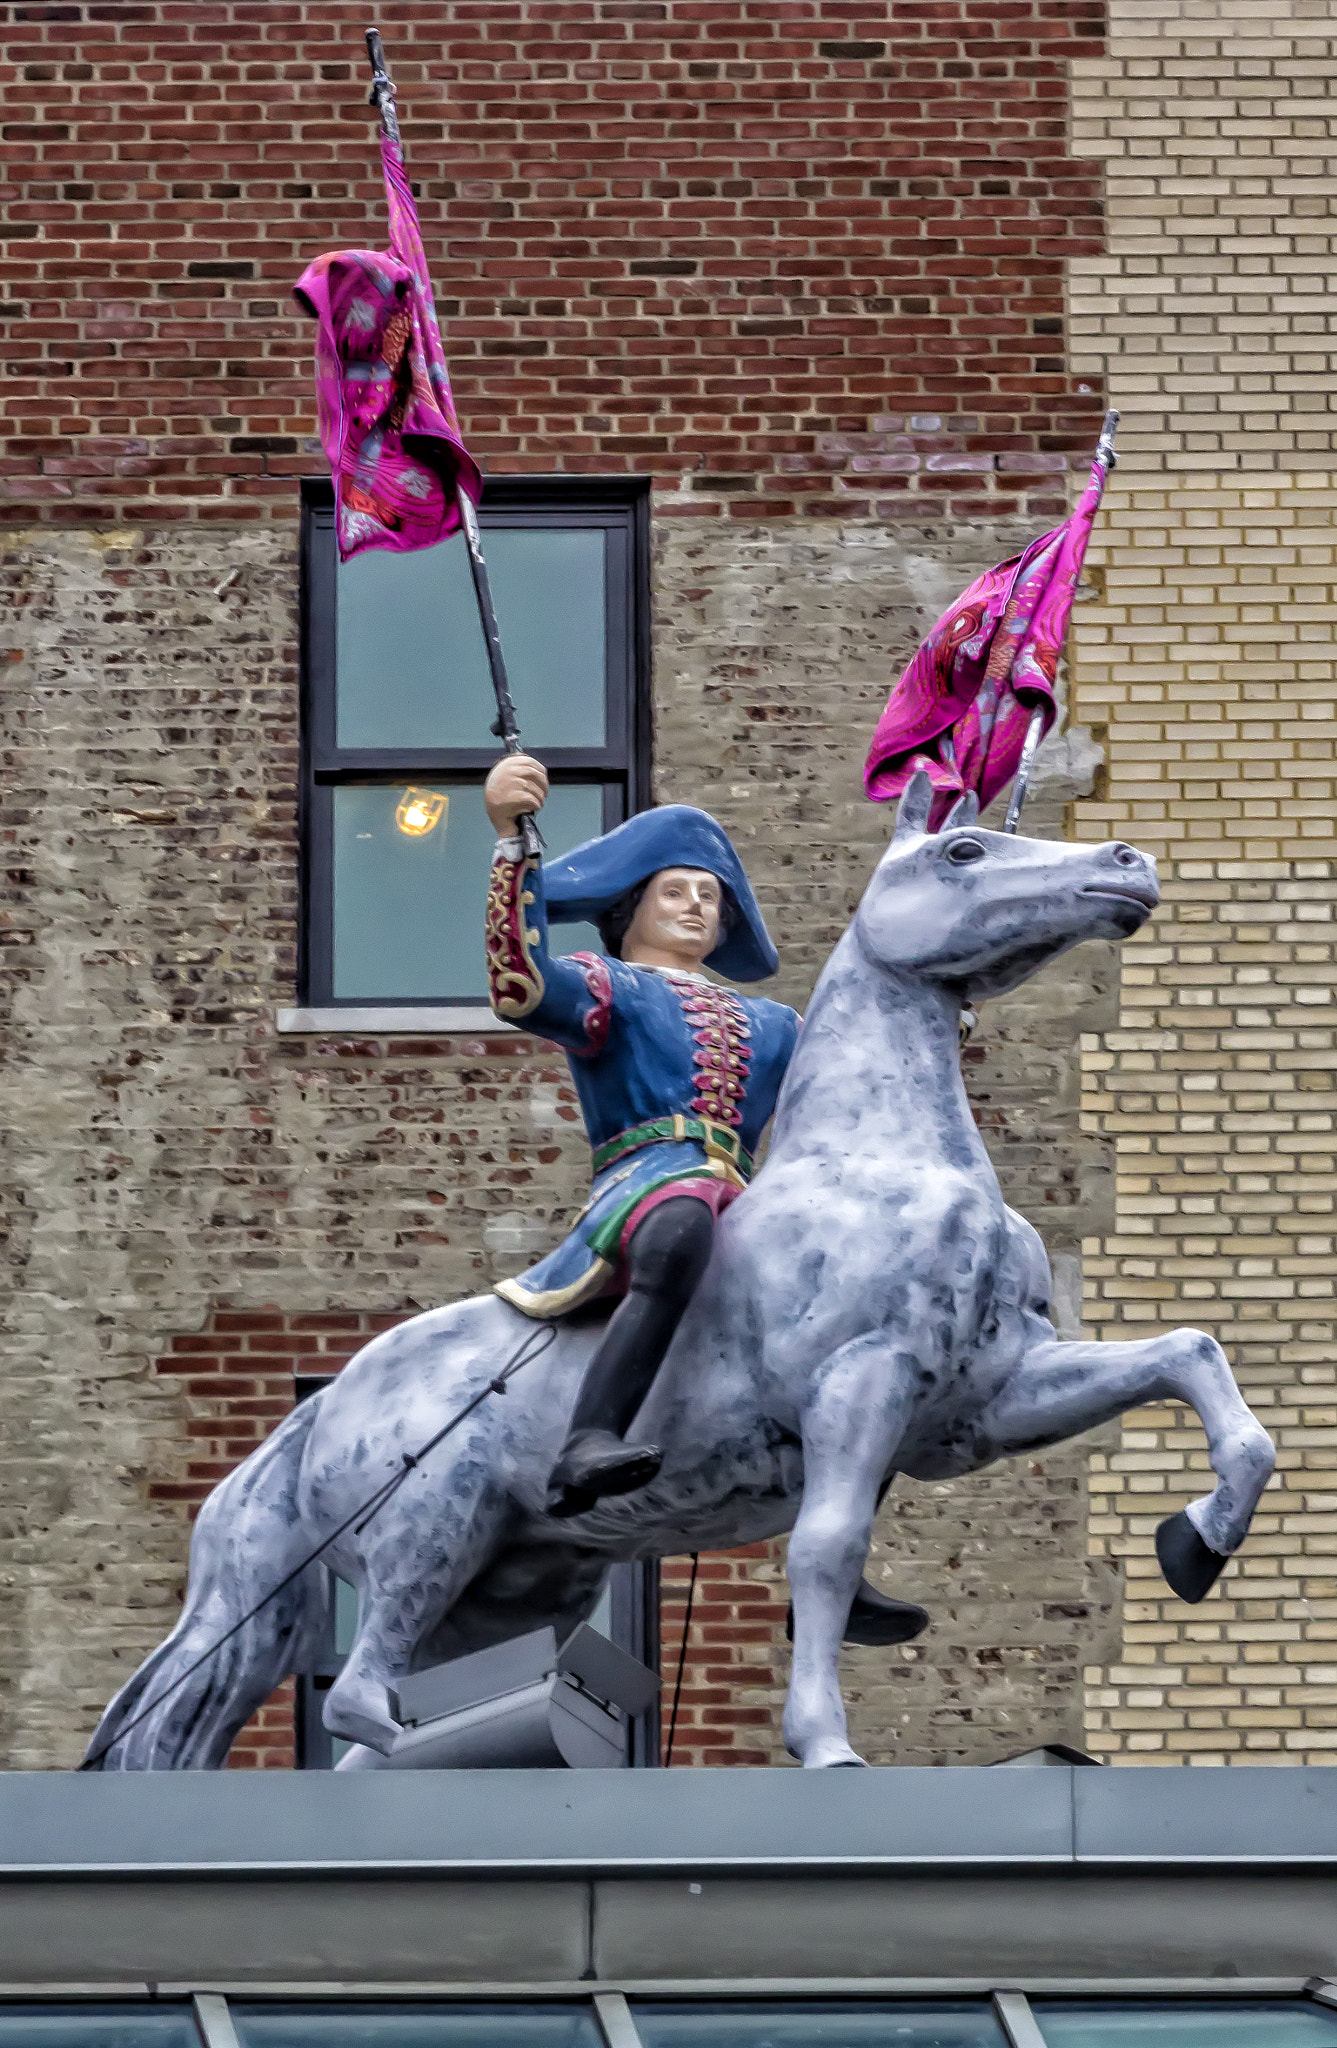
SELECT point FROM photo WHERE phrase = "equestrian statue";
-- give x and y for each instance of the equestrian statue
(726, 1358)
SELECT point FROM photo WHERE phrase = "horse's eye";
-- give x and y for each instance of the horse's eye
(962, 850)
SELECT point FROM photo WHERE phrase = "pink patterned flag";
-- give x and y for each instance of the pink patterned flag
(963, 705)
(387, 419)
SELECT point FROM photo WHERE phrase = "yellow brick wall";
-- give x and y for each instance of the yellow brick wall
(1208, 663)
(1210, 309)
(1217, 1087)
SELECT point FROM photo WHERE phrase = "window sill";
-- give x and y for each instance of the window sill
(383, 1020)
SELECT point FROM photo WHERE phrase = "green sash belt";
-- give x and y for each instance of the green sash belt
(719, 1141)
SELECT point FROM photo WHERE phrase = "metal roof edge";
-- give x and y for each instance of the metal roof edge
(554, 1826)
(539, 1867)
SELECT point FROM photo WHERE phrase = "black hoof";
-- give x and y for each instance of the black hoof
(877, 1622)
(1190, 1567)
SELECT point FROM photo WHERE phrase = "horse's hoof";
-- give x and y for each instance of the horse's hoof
(876, 1621)
(833, 1757)
(1190, 1567)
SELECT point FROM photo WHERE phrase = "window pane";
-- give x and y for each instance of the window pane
(1243, 2023)
(952, 2024)
(412, 667)
(97, 2026)
(345, 1616)
(414, 2026)
(602, 1617)
(409, 894)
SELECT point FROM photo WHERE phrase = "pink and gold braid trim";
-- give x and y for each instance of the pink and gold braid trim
(514, 984)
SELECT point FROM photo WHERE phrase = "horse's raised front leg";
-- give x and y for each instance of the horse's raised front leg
(851, 1428)
(1059, 1390)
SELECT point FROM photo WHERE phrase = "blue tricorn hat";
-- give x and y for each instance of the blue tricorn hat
(590, 879)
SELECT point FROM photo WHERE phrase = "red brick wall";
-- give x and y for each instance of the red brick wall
(784, 254)
(238, 1379)
(735, 1669)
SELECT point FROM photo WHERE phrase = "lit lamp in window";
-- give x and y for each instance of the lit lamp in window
(420, 811)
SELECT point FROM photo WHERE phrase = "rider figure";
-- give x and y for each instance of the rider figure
(677, 1078)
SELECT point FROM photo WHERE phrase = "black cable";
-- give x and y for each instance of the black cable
(370, 1508)
(682, 1658)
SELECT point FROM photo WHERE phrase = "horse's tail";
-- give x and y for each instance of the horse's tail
(179, 1713)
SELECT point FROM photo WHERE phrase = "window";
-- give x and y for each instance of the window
(126, 2024)
(627, 1613)
(397, 706)
(390, 2019)
(964, 2023)
(1168, 2023)
(1088, 2023)
(415, 2026)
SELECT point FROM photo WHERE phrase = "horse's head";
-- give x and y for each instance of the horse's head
(983, 910)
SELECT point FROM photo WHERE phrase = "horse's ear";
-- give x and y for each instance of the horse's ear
(964, 811)
(913, 809)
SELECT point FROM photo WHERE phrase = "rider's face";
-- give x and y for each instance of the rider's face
(679, 914)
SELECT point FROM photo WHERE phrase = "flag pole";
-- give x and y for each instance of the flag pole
(1030, 747)
(506, 726)
(1107, 459)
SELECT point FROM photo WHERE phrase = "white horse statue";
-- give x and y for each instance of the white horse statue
(872, 1308)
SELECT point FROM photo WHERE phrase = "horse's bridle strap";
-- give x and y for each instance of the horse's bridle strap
(719, 1141)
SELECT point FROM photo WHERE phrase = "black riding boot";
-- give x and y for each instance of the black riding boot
(667, 1255)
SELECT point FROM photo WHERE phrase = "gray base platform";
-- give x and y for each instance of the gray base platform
(695, 1878)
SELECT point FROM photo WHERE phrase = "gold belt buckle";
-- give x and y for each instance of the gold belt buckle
(722, 1144)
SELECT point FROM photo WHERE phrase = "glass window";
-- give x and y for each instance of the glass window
(964, 2023)
(98, 2026)
(386, 2025)
(1229, 2023)
(397, 706)
(410, 887)
(410, 658)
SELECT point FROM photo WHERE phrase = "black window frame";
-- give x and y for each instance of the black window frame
(622, 766)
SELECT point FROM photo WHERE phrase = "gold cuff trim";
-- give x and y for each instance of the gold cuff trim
(515, 986)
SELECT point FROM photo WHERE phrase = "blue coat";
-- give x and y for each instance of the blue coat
(645, 1045)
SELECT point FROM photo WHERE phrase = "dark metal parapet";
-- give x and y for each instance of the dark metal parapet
(781, 1821)
(557, 1880)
